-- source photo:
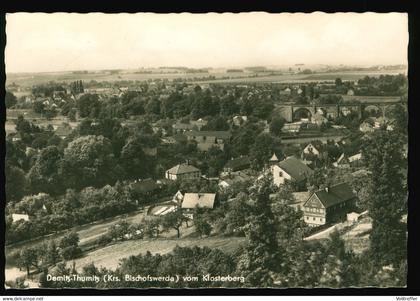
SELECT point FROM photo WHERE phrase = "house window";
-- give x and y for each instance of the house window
(280, 174)
(321, 219)
(313, 218)
(204, 138)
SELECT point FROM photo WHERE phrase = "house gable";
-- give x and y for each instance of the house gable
(314, 202)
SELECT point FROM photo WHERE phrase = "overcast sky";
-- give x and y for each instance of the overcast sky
(41, 42)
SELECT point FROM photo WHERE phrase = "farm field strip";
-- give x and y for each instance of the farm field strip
(110, 256)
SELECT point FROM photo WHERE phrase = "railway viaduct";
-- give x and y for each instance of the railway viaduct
(293, 112)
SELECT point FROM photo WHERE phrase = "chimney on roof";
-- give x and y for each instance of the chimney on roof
(327, 188)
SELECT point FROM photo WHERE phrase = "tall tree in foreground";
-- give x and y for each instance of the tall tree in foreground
(388, 199)
(262, 259)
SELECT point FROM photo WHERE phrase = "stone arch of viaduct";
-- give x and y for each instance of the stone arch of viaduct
(292, 112)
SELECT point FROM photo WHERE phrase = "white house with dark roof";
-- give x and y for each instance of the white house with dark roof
(182, 171)
(291, 169)
(329, 205)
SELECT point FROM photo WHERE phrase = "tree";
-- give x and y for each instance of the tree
(72, 114)
(388, 199)
(330, 99)
(44, 175)
(151, 227)
(289, 222)
(400, 115)
(203, 227)
(69, 246)
(89, 105)
(216, 124)
(174, 220)
(28, 257)
(262, 256)
(118, 231)
(89, 161)
(261, 150)
(10, 99)
(15, 183)
(338, 82)
(237, 215)
(153, 106)
(39, 107)
(133, 159)
(52, 254)
(276, 125)
(70, 239)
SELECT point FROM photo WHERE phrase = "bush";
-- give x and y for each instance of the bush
(103, 240)
(71, 252)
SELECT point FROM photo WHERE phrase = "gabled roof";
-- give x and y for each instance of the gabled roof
(238, 162)
(183, 126)
(342, 159)
(200, 200)
(301, 197)
(217, 134)
(182, 169)
(295, 168)
(336, 194)
(355, 157)
(318, 145)
(274, 158)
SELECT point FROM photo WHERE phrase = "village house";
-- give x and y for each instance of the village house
(313, 152)
(291, 170)
(315, 148)
(237, 164)
(273, 160)
(329, 205)
(292, 127)
(286, 92)
(182, 127)
(63, 130)
(145, 187)
(178, 197)
(207, 139)
(383, 122)
(342, 162)
(318, 119)
(366, 127)
(197, 200)
(239, 120)
(355, 160)
(183, 171)
(18, 217)
(345, 161)
(228, 181)
(199, 123)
